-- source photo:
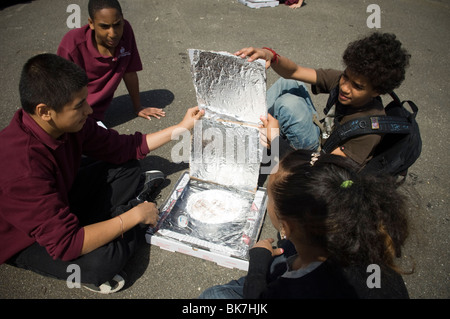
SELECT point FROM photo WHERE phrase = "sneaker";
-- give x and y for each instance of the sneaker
(109, 287)
(152, 184)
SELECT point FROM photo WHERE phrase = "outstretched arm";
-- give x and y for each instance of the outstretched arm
(157, 139)
(283, 66)
(99, 234)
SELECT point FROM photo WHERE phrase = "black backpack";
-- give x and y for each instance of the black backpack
(400, 146)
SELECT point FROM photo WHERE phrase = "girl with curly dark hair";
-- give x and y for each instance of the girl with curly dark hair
(339, 229)
(374, 65)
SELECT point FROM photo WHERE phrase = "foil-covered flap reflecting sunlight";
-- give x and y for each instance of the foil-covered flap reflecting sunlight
(229, 87)
(226, 153)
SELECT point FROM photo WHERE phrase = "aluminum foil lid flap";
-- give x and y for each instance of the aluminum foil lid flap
(225, 149)
(226, 153)
(229, 87)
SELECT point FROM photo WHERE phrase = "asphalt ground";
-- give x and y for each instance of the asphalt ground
(314, 36)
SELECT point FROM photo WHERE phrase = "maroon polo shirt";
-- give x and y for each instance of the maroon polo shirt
(104, 72)
(36, 175)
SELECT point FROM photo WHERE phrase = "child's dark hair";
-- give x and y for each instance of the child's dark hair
(356, 218)
(95, 5)
(51, 80)
(380, 58)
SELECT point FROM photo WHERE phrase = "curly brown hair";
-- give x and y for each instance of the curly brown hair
(380, 58)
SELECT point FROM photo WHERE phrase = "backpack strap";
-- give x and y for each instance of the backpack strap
(366, 125)
(332, 98)
(397, 103)
(392, 123)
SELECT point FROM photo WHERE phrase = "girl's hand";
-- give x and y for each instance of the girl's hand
(267, 244)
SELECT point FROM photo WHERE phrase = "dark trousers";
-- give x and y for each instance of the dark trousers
(100, 191)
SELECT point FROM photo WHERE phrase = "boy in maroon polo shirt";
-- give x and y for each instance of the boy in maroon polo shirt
(54, 214)
(106, 49)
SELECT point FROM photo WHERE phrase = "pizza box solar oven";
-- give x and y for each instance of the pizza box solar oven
(216, 209)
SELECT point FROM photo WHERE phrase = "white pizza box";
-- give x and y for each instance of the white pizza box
(256, 4)
(176, 233)
(180, 247)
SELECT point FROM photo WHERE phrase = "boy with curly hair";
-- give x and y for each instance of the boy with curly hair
(374, 65)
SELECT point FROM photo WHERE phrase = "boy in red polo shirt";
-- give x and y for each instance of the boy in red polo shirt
(53, 213)
(106, 49)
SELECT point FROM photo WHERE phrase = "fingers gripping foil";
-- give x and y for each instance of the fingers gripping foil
(228, 86)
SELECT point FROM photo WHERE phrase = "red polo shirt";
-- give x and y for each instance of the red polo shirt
(36, 176)
(104, 72)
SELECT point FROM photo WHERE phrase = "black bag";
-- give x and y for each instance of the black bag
(400, 146)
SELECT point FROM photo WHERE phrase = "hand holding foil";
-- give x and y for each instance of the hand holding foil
(269, 130)
(193, 114)
(254, 54)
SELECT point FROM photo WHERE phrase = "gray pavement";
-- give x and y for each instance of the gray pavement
(314, 36)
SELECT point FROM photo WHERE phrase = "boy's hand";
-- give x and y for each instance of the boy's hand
(267, 244)
(192, 114)
(149, 214)
(254, 54)
(149, 112)
(268, 130)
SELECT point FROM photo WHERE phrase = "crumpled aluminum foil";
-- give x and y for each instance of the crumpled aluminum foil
(226, 153)
(228, 86)
(225, 148)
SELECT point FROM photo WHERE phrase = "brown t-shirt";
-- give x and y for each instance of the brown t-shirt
(359, 148)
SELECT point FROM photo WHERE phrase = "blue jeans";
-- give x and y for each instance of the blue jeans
(232, 290)
(289, 102)
(235, 288)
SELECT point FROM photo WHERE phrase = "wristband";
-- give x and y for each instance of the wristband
(275, 55)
